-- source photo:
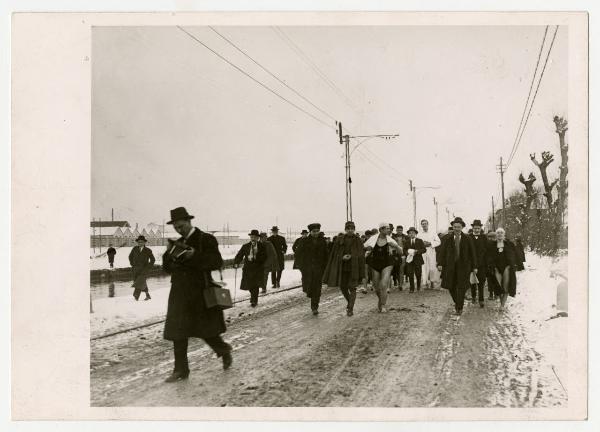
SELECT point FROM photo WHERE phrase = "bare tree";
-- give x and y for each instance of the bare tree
(547, 159)
(530, 192)
(561, 129)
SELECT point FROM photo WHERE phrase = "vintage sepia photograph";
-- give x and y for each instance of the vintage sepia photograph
(330, 216)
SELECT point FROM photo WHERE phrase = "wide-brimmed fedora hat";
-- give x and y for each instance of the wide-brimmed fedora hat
(459, 220)
(180, 213)
(314, 226)
(141, 238)
(413, 229)
(254, 232)
(304, 231)
(275, 229)
(476, 222)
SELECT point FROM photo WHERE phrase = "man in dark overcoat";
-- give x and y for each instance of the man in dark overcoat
(254, 255)
(414, 248)
(346, 265)
(295, 249)
(190, 261)
(141, 259)
(281, 248)
(313, 260)
(480, 242)
(110, 253)
(458, 260)
(520, 251)
(271, 265)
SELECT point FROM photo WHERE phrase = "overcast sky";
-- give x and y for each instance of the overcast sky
(173, 124)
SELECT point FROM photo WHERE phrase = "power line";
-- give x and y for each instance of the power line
(314, 67)
(271, 73)
(512, 150)
(535, 94)
(254, 79)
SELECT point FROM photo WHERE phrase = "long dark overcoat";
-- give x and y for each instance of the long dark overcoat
(313, 260)
(252, 273)
(141, 262)
(296, 251)
(511, 257)
(280, 247)
(333, 272)
(467, 261)
(187, 315)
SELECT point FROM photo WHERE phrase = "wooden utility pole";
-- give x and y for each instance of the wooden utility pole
(493, 215)
(502, 169)
(448, 214)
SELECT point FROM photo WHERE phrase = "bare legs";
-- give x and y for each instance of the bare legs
(503, 280)
(381, 282)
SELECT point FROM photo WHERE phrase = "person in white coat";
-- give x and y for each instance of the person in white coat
(431, 275)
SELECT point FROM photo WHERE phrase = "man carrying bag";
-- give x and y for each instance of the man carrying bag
(190, 261)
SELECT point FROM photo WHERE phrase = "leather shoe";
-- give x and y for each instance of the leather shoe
(177, 376)
(227, 360)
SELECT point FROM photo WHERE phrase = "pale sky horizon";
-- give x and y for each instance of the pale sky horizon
(174, 125)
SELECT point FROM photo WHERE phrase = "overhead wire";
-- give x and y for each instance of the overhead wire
(254, 79)
(307, 60)
(272, 74)
(512, 150)
(534, 95)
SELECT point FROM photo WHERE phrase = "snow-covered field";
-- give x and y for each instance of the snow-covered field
(100, 261)
(117, 313)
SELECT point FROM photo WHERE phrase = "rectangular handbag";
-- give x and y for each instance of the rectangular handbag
(215, 296)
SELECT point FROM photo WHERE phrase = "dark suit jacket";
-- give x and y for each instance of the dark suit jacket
(419, 247)
(481, 245)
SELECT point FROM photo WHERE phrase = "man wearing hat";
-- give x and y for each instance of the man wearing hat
(346, 265)
(190, 261)
(271, 265)
(457, 261)
(281, 248)
(414, 248)
(141, 259)
(254, 255)
(312, 262)
(480, 242)
(303, 235)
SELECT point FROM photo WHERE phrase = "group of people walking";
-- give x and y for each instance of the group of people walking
(456, 260)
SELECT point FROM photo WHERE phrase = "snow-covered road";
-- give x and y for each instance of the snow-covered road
(417, 355)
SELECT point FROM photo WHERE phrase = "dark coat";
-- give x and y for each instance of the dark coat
(252, 273)
(187, 315)
(511, 257)
(520, 251)
(462, 269)
(111, 251)
(419, 248)
(280, 247)
(296, 251)
(271, 264)
(312, 262)
(141, 260)
(333, 272)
